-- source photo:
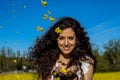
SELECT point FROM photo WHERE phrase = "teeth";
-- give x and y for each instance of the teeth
(66, 48)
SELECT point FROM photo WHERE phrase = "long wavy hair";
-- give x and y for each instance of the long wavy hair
(45, 52)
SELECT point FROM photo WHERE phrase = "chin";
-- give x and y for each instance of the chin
(66, 52)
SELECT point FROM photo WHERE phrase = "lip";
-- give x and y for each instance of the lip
(66, 48)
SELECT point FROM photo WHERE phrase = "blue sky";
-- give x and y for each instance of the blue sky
(19, 19)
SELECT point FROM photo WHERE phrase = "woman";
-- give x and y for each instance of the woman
(64, 52)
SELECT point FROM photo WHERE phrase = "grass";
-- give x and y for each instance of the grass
(19, 76)
(33, 76)
(107, 76)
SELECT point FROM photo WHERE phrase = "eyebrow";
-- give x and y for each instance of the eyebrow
(68, 36)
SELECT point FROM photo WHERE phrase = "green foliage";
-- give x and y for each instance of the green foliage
(108, 60)
(7, 57)
(112, 54)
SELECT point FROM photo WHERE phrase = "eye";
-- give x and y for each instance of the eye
(61, 38)
(71, 38)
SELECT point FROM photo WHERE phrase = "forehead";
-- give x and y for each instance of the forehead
(67, 32)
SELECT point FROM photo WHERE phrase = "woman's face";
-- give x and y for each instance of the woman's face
(67, 41)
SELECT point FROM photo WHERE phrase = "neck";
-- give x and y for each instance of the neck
(65, 58)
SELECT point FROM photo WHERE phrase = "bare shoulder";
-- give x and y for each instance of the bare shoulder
(89, 74)
(90, 60)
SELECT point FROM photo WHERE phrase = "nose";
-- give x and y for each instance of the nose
(66, 42)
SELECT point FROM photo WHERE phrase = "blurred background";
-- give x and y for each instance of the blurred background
(23, 21)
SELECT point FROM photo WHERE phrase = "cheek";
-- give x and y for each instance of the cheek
(60, 42)
(73, 43)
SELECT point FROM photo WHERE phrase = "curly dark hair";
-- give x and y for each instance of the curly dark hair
(45, 52)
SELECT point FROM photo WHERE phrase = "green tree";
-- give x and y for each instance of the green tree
(3, 59)
(9, 52)
(100, 66)
(112, 54)
(18, 54)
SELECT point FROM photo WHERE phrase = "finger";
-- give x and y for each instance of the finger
(57, 70)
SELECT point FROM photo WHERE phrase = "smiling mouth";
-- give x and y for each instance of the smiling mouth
(66, 48)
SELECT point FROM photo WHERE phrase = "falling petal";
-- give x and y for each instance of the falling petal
(15, 61)
(51, 18)
(17, 32)
(14, 17)
(25, 6)
(13, 11)
(45, 16)
(49, 12)
(44, 3)
(110, 30)
(0, 27)
(40, 28)
(13, 4)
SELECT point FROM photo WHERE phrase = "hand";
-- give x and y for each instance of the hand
(71, 70)
(66, 72)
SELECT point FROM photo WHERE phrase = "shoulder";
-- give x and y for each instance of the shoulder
(86, 64)
(88, 59)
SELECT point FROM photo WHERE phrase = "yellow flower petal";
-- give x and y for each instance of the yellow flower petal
(39, 28)
(44, 3)
(54, 73)
(58, 30)
(51, 18)
(45, 16)
(57, 78)
(18, 76)
(15, 61)
(49, 12)
(63, 70)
